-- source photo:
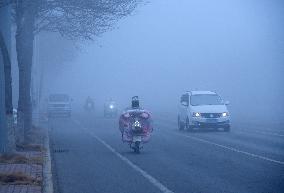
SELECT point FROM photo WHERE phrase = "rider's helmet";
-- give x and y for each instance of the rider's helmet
(135, 102)
(88, 99)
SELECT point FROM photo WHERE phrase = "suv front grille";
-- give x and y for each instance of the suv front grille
(59, 105)
(211, 115)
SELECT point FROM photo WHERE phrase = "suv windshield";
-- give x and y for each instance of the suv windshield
(58, 98)
(205, 99)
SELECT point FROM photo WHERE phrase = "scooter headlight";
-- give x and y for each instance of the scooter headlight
(111, 106)
(137, 124)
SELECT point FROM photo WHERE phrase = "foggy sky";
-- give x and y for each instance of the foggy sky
(235, 48)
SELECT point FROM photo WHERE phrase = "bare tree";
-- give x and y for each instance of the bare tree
(3, 126)
(8, 77)
(83, 19)
(6, 129)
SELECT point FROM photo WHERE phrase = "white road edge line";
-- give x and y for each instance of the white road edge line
(151, 179)
(232, 149)
(260, 132)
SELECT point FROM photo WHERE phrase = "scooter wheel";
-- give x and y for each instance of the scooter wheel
(137, 147)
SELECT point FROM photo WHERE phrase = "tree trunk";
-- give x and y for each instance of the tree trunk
(24, 47)
(24, 53)
(3, 126)
(8, 93)
(8, 76)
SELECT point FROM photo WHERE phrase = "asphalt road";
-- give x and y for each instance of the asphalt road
(89, 157)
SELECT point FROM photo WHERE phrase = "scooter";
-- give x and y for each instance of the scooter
(136, 128)
(89, 107)
(110, 109)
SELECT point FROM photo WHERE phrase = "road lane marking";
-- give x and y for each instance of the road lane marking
(150, 178)
(258, 131)
(231, 149)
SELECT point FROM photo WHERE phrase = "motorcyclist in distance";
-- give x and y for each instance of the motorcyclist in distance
(110, 108)
(89, 104)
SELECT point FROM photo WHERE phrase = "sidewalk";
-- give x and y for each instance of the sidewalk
(28, 171)
(20, 189)
(32, 171)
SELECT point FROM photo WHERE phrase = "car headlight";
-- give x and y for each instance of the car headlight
(196, 114)
(225, 114)
(111, 106)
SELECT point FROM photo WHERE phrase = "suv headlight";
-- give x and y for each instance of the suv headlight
(196, 115)
(225, 114)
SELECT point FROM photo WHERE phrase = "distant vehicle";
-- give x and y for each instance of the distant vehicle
(203, 109)
(59, 104)
(89, 105)
(110, 109)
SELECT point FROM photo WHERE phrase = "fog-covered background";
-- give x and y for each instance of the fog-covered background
(235, 48)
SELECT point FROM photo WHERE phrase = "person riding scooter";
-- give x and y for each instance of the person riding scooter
(89, 104)
(135, 125)
(110, 109)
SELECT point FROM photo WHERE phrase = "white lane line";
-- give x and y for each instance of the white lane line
(232, 149)
(150, 178)
(260, 132)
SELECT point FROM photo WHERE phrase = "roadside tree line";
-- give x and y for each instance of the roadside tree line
(73, 19)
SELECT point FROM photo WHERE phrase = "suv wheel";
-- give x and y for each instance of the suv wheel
(227, 128)
(180, 124)
(188, 126)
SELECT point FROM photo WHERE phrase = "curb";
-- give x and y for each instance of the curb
(47, 171)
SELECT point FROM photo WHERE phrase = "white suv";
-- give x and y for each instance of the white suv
(203, 109)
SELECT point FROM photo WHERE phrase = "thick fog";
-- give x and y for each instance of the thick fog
(167, 47)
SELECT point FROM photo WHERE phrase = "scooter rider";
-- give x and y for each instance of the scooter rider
(135, 102)
(89, 104)
(134, 105)
(135, 125)
(110, 108)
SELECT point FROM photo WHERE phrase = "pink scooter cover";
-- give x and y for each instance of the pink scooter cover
(128, 117)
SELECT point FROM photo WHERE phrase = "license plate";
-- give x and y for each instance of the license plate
(137, 138)
(211, 120)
